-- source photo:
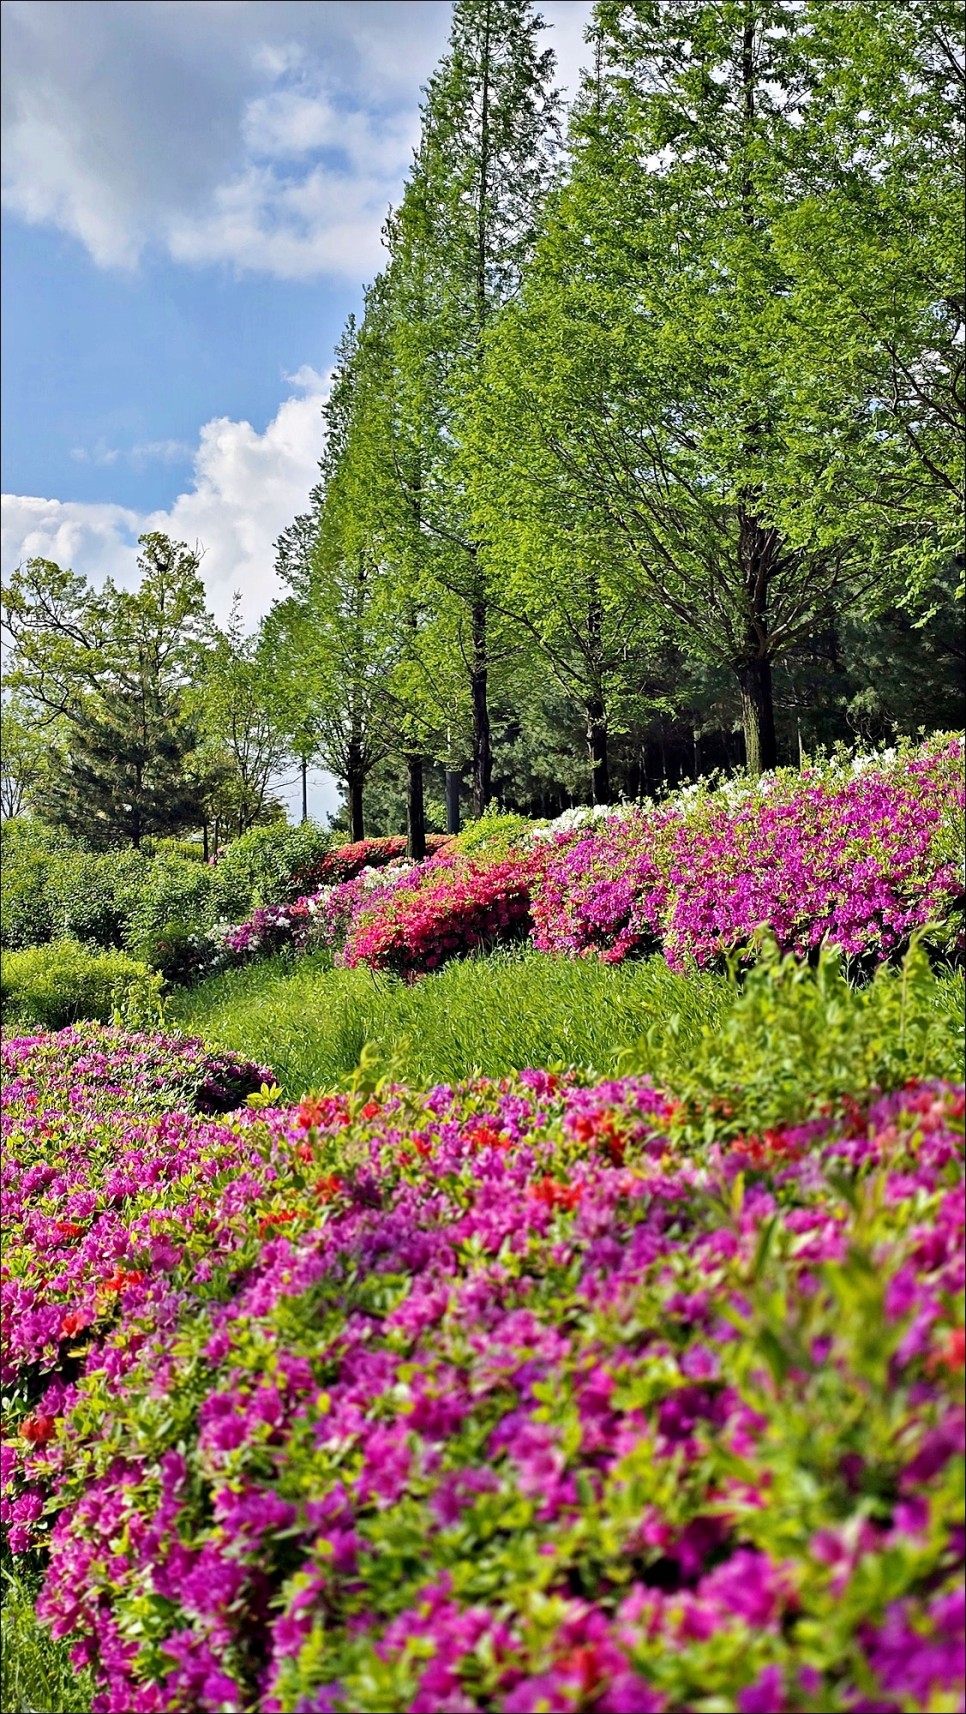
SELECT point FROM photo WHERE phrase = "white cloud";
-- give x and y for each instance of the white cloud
(268, 135)
(247, 487)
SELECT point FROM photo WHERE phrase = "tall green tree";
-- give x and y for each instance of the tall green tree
(114, 670)
(458, 243)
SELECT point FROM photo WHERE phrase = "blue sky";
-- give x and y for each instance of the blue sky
(193, 192)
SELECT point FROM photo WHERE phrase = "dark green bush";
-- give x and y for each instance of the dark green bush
(48, 987)
(266, 866)
(92, 894)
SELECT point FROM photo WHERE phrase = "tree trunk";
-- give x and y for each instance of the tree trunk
(204, 841)
(305, 788)
(415, 810)
(356, 784)
(757, 714)
(217, 835)
(597, 750)
(452, 801)
(482, 752)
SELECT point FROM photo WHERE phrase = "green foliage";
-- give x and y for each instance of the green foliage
(493, 834)
(92, 894)
(113, 669)
(264, 867)
(48, 987)
(37, 1672)
(175, 901)
(797, 1039)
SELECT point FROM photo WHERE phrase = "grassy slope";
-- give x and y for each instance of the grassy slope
(492, 1015)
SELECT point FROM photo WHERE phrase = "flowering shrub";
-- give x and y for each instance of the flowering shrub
(860, 854)
(107, 1067)
(450, 905)
(347, 861)
(860, 858)
(490, 1397)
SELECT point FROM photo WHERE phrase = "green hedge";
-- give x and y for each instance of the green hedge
(49, 987)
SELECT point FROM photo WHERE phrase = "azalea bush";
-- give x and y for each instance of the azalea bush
(860, 856)
(451, 905)
(345, 862)
(509, 1395)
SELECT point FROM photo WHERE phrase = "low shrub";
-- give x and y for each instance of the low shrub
(451, 905)
(110, 1067)
(496, 835)
(345, 862)
(492, 1397)
(265, 866)
(176, 902)
(94, 895)
(859, 854)
(50, 986)
(26, 848)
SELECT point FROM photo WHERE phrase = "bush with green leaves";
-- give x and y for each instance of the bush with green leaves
(27, 847)
(49, 987)
(496, 835)
(176, 901)
(266, 866)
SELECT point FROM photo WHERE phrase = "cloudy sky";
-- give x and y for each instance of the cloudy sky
(193, 192)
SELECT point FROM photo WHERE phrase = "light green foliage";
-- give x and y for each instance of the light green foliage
(258, 868)
(38, 1677)
(798, 1038)
(493, 835)
(174, 902)
(49, 987)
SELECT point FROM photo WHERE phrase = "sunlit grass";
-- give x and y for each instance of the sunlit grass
(492, 1015)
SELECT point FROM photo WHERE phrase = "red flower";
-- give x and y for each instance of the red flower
(328, 1185)
(38, 1429)
(310, 1113)
(953, 1354)
(71, 1324)
(370, 1109)
(123, 1277)
(554, 1194)
(68, 1228)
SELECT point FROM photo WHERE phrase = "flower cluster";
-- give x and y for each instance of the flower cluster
(111, 1067)
(489, 1397)
(450, 905)
(347, 861)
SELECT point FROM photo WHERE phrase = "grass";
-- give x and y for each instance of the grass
(38, 1677)
(493, 1015)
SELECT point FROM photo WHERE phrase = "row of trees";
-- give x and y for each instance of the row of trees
(644, 456)
(629, 427)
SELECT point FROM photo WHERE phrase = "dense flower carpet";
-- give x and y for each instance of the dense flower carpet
(856, 854)
(515, 1396)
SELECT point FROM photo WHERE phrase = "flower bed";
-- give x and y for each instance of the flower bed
(491, 1397)
(860, 860)
(449, 906)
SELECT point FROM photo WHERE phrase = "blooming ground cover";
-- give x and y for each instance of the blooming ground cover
(857, 854)
(519, 1395)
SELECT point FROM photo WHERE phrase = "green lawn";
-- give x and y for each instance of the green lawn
(494, 1015)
